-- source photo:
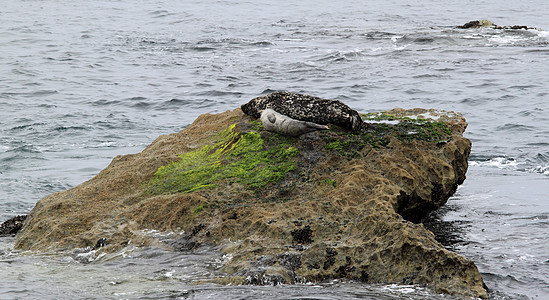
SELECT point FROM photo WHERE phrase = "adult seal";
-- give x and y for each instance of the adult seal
(273, 121)
(306, 108)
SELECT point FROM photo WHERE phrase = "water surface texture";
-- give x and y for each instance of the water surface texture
(84, 81)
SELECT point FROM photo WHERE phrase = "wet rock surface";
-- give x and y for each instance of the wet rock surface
(335, 204)
(489, 24)
(11, 226)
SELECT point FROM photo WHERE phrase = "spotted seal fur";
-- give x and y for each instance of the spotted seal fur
(273, 121)
(306, 108)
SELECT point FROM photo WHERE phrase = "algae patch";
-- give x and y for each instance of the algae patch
(384, 126)
(197, 210)
(237, 157)
(409, 128)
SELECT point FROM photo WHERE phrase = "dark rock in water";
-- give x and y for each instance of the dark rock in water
(102, 242)
(488, 24)
(181, 244)
(306, 108)
(477, 24)
(12, 226)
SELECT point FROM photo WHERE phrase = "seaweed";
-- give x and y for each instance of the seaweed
(379, 135)
(236, 157)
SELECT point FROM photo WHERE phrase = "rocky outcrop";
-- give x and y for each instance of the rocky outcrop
(327, 204)
(489, 24)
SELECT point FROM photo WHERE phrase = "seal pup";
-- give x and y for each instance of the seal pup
(273, 121)
(306, 108)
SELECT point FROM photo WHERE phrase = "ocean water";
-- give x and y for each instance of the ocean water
(84, 81)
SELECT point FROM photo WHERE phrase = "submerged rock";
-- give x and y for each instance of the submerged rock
(324, 205)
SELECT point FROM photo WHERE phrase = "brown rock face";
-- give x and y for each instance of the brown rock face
(349, 208)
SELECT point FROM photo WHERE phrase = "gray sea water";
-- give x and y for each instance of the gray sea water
(84, 81)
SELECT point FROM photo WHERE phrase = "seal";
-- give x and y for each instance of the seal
(273, 121)
(306, 108)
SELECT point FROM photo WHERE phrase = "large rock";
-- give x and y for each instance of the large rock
(330, 204)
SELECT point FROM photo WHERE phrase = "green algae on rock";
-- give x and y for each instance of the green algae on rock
(382, 127)
(407, 128)
(317, 215)
(240, 157)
